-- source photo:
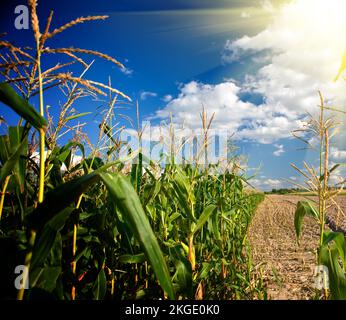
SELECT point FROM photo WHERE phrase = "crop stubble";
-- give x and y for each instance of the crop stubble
(287, 268)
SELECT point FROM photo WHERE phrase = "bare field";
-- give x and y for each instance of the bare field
(287, 268)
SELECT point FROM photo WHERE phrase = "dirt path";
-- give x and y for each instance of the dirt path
(287, 268)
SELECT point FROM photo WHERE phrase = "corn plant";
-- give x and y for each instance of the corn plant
(95, 230)
(332, 246)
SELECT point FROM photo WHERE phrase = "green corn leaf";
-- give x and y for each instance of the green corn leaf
(9, 97)
(340, 243)
(45, 275)
(304, 208)
(207, 212)
(183, 276)
(215, 228)
(174, 216)
(59, 198)
(183, 193)
(4, 148)
(46, 238)
(47, 278)
(206, 267)
(12, 161)
(132, 258)
(100, 286)
(126, 199)
(76, 116)
(329, 256)
(63, 152)
(136, 172)
(17, 135)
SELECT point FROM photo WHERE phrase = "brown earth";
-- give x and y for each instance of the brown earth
(287, 268)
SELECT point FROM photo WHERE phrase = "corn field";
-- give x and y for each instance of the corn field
(101, 229)
(83, 220)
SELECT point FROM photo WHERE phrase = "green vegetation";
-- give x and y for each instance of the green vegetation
(331, 251)
(114, 227)
(301, 192)
(101, 230)
(285, 191)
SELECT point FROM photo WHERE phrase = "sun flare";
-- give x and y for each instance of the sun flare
(322, 22)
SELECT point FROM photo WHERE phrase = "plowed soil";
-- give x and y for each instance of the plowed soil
(288, 269)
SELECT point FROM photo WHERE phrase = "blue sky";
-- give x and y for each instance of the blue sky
(248, 61)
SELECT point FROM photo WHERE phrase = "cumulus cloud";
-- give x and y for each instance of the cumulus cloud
(297, 56)
(337, 155)
(75, 159)
(305, 56)
(268, 184)
(272, 182)
(147, 94)
(231, 53)
(167, 98)
(246, 120)
(336, 180)
(279, 150)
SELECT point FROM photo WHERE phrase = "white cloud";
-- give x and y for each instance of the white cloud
(147, 94)
(246, 120)
(305, 56)
(273, 182)
(231, 53)
(75, 159)
(337, 155)
(279, 150)
(167, 98)
(336, 179)
(268, 184)
(127, 71)
(299, 55)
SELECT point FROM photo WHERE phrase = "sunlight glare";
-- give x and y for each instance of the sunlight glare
(323, 22)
